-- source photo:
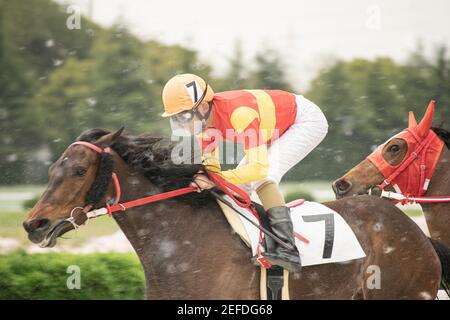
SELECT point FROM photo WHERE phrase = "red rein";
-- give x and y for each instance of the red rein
(242, 199)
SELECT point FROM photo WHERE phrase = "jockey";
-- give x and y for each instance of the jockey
(277, 129)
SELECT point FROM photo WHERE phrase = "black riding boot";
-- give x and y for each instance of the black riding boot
(282, 227)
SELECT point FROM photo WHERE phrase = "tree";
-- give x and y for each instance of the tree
(366, 102)
(61, 105)
(33, 43)
(269, 72)
(120, 93)
(236, 77)
(119, 83)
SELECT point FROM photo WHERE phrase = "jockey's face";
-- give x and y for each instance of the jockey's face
(187, 122)
(196, 126)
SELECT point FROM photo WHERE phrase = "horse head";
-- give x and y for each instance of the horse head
(404, 163)
(78, 181)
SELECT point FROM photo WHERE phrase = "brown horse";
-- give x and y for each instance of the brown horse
(365, 175)
(186, 245)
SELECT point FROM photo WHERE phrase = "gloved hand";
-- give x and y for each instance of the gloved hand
(202, 182)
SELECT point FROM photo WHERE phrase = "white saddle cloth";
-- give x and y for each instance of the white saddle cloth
(328, 238)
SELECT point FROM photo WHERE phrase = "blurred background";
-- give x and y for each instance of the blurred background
(66, 66)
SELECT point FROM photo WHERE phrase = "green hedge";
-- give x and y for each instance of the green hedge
(44, 276)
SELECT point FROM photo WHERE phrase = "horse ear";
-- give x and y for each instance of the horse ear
(425, 124)
(108, 139)
(412, 123)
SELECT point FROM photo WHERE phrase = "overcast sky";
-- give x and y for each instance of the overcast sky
(307, 34)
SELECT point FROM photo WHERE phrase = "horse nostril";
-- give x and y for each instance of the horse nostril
(33, 225)
(342, 186)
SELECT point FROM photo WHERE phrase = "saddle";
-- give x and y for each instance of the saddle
(322, 236)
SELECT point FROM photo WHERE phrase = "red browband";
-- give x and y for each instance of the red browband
(114, 176)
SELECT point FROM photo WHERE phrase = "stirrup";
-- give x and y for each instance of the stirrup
(285, 264)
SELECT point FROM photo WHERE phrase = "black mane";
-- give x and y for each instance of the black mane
(151, 157)
(443, 134)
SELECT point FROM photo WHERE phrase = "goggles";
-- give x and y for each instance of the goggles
(180, 123)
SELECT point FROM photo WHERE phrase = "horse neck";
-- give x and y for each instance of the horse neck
(437, 215)
(177, 242)
(133, 186)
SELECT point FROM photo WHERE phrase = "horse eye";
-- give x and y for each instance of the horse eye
(80, 172)
(394, 148)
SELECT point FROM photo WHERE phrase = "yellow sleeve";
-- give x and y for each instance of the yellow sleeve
(211, 161)
(257, 167)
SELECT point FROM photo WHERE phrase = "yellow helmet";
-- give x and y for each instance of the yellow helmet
(185, 92)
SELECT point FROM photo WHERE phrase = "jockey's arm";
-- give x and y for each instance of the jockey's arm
(256, 168)
(211, 161)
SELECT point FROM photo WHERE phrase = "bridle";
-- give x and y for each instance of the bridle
(243, 200)
(236, 194)
(229, 189)
(114, 177)
(418, 154)
(89, 205)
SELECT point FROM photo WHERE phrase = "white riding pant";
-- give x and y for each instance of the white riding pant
(309, 129)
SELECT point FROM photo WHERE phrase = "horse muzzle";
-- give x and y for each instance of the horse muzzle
(44, 233)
